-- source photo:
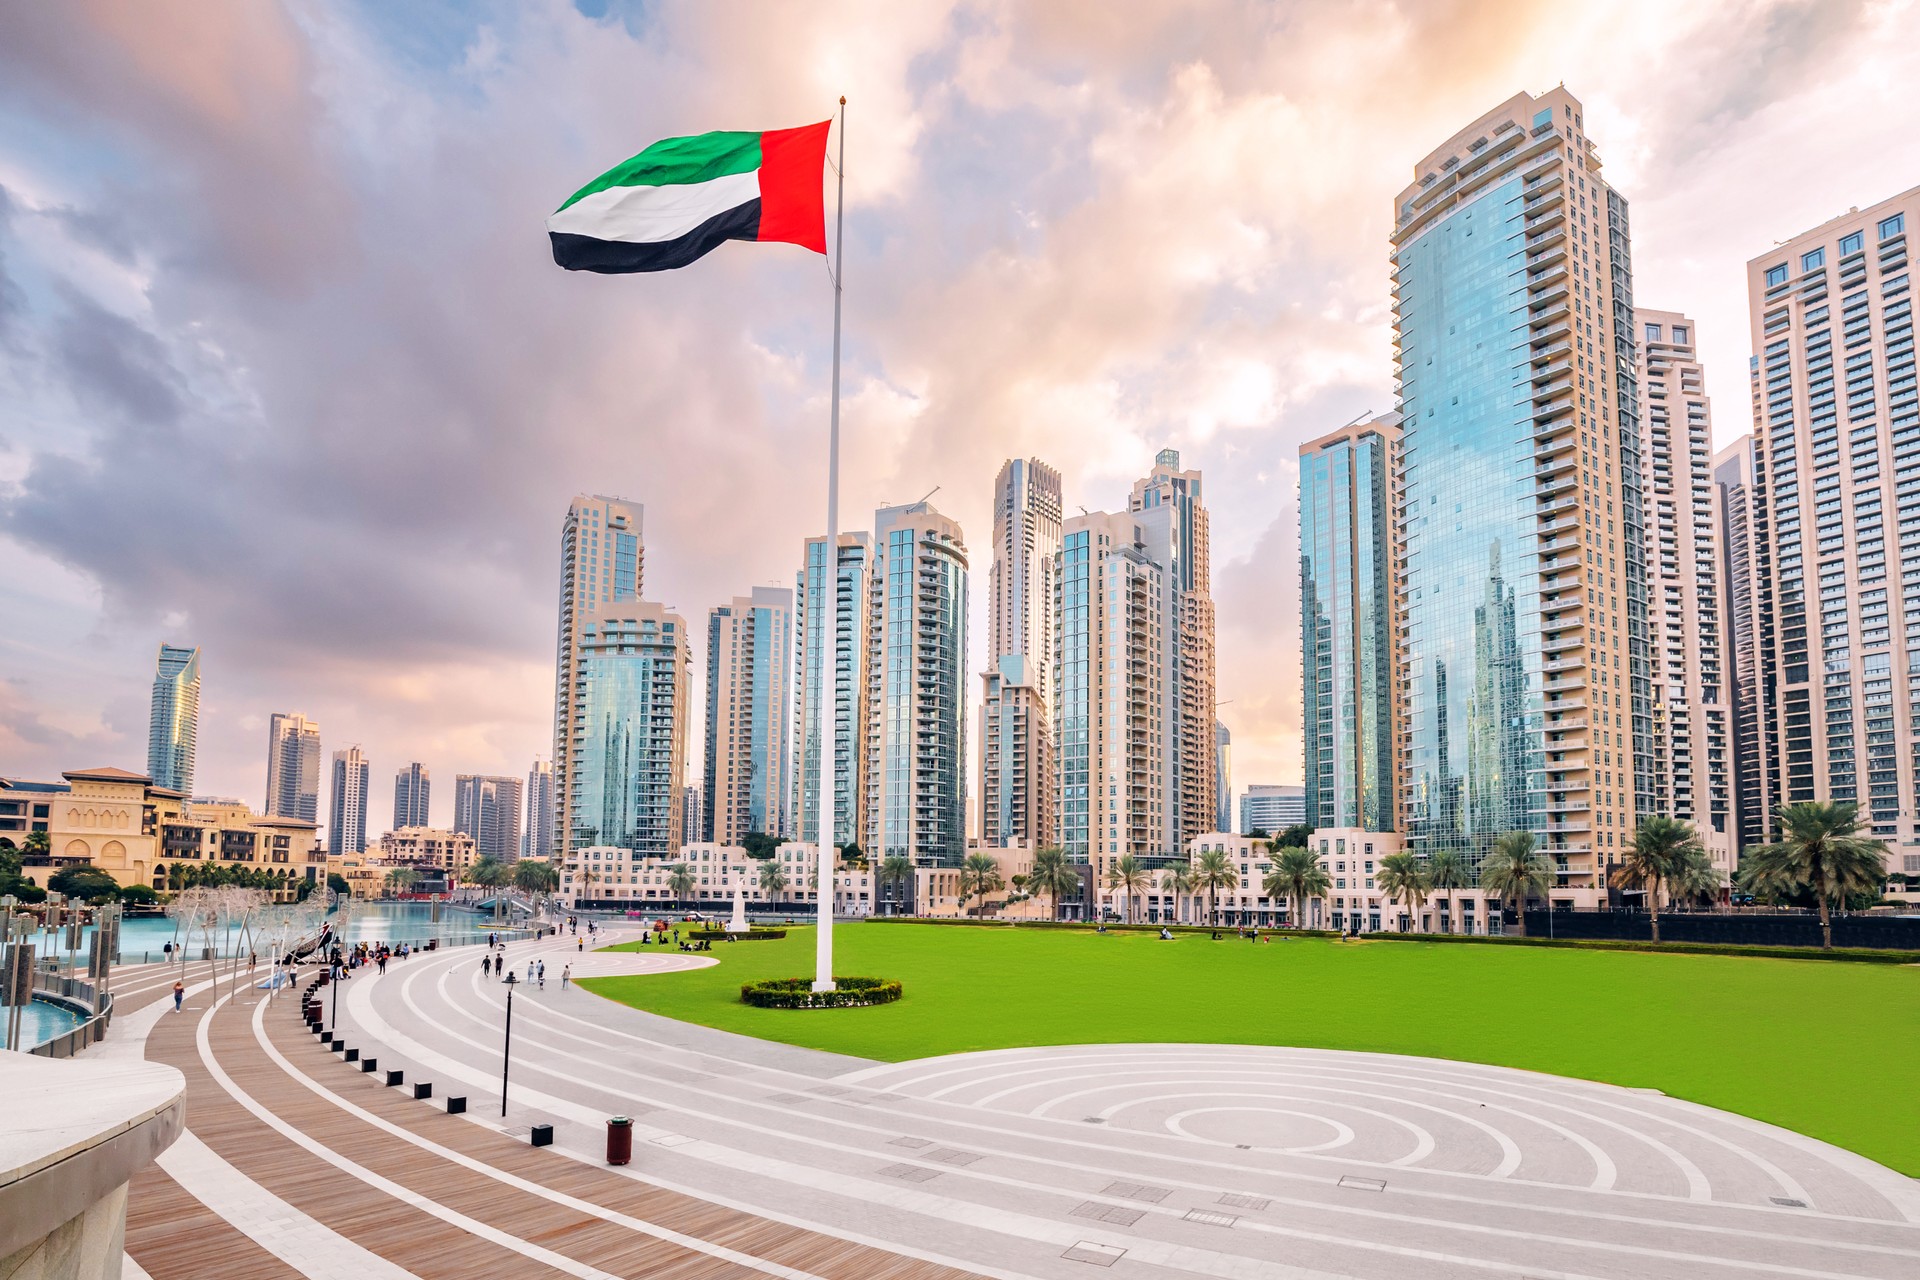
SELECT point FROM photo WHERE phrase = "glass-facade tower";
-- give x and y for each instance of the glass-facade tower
(749, 783)
(1346, 626)
(1523, 668)
(630, 730)
(173, 730)
(602, 567)
(851, 565)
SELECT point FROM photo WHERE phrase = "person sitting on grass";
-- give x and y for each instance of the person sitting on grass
(1166, 934)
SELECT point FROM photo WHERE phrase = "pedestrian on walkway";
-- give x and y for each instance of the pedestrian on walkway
(486, 966)
(582, 944)
(381, 963)
(543, 973)
(179, 994)
(253, 962)
(566, 976)
(167, 951)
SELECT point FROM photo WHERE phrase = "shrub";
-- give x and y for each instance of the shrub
(1864, 954)
(721, 935)
(798, 993)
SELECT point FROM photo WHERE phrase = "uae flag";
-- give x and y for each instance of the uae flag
(677, 200)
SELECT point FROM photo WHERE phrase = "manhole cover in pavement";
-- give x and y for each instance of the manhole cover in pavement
(1108, 1213)
(1100, 1255)
(1787, 1202)
(1211, 1218)
(946, 1155)
(1245, 1202)
(1137, 1191)
(910, 1142)
(909, 1173)
(1363, 1184)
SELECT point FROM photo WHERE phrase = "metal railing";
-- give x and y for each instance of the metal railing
(71, 992)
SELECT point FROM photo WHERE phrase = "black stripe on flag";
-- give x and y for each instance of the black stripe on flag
(620, 257)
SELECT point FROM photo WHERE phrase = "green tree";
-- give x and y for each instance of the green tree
(1130, 876)
(759, 844)
(1177, 882)
(1403, 876)
(1661, 846)
(1516, 871)
(139, 895)
(535, 878)
(895, 870)
(852, 855)
(10, 860)
(1297, 877)
(979, 876)
(1821, 850)
(1297, 836)
(402, 879)
(1447, 873)
(1054, 875)
(681, 883)
(39, 844)
(338, 883)
(773, 880)
(87, 883)
(1213, 872)
(1695, 879)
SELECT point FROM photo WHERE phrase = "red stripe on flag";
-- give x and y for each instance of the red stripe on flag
(793, 206)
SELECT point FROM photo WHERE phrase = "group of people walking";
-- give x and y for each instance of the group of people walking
(495, 962)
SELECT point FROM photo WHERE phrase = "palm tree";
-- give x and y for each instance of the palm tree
(402, 879)
(1822, 851)
(1661, 845)
(1053, 874)
(680, 883)
(979, 875)
(535, 878)
(773, 880)
(1402, 875)
(1213, 872)
(1297, 875)
(1177, 883)
(1516, 871)
(1131, 877)
(1695, 878)
(895, 869)
(1447, 873)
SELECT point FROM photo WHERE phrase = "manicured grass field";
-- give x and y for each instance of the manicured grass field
(1817, 1047)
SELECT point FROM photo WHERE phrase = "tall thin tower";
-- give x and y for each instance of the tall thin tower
(1016, 706)
(602, 566)
(173, 731)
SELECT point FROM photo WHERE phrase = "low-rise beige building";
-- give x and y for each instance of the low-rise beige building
(429, 850)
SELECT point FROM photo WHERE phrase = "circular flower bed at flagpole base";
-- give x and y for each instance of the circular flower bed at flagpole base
(798, 993)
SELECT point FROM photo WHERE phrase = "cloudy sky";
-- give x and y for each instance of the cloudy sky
(286, 370)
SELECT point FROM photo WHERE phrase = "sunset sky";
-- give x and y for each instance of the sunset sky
(287, 372)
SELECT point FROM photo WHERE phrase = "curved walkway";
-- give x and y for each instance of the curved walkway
(753, 1158)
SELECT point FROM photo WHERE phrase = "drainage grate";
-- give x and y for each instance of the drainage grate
(1112, 1213)
(909, 1173)
(1787, 1202)
(1363, 1184)
(1137, 1191)
(1100, 1255)
(910, 1142)
(947, 1155)
(1211, 1218)
(1245, 1202)
(671, 1140)
(1243, 1146)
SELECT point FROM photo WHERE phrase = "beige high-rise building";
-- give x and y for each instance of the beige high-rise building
(1114, 682)
(1836, 516)
(1743, 593)
(1170, 509)
(749, 782)
(1015, 801)
(916, 668)
(602, 564)
(1523, 654)
(293, 767)
(1692, 739)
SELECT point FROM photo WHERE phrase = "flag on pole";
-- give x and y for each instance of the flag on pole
(677, 200)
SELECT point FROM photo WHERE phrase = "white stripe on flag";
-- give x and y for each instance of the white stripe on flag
(650, 215)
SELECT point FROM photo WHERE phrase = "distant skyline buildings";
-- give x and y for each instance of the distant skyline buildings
(536, 832)
(1016, 802)
(412, 792)
(844, 579)
(173, 725)
(489, 808)
(1272, 808)
(1223, 777)
(626, 717)
(293, 767)
(347, 817)
(749, 780)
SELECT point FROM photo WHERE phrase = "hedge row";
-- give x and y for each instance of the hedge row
(1858, 954)
(798, 993)
(752, 935)
(1088, 926)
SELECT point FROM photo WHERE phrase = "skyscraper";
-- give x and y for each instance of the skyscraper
(1272, 809)
(412, 789)
(1524, 669)
(1347, 624)
(628, 752)
(489, 809)
(347, 828)
(749, 780)
(1223, 777)
(173, 729)
(1112, 710)
(293, 767)
(1016, 706)
(536, 839)
(1835, 497)
(1751, 689)
(853, 565)
(1173, 519)
(602, 563)
(693, 815)
(1692, 739)
(916, 671)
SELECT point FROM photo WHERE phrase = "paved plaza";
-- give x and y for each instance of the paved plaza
(759, 1158)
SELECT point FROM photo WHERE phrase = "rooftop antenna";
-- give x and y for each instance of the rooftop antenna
(1367, 414)
(929, 493)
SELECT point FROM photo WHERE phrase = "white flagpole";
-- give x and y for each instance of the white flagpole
(830, 655)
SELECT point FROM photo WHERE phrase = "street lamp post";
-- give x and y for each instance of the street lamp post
(506, 1050)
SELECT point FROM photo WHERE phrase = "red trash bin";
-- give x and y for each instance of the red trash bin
(619, 1140)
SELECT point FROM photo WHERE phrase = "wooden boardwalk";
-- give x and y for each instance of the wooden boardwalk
(175, 1237)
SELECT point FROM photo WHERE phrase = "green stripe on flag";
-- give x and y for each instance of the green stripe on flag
(680, 162)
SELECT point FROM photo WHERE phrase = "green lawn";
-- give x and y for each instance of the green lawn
(1819, 1047)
